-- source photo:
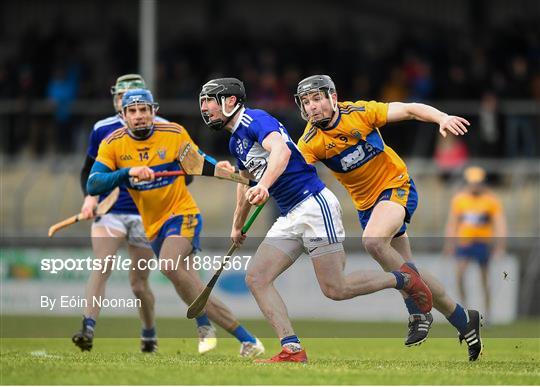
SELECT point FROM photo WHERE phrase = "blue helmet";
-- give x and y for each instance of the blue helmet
(138, 96)
(142, 97)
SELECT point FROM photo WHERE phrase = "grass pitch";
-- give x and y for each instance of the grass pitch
(332, 360)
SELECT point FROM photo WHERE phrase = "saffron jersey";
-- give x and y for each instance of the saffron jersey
(165, 197)
(102, 128)
(475, 215)
(353, 149)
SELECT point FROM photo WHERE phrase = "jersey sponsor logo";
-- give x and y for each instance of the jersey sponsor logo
(148, 185)
(145, 149)
(256, 166)
(475, 219)
(355, 159)
(126, 157)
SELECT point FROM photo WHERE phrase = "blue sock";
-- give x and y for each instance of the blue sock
(243, 335)
(411, 306)
(290, 339)
(89, 322)
(202, 320)
(458, 319)
(400, 279)
(148, 333)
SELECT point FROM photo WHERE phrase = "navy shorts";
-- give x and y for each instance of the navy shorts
(405, 195)
(476, 251)
(188, 226)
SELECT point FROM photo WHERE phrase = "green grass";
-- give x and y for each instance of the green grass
(369, 360)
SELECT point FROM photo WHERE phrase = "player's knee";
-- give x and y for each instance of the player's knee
(139, 287)
(333, 292)
(373, 245)
(256, 281)
(170, 273)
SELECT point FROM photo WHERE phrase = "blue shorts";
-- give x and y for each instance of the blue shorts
(188, 226)
(476, 251)
(405, 195)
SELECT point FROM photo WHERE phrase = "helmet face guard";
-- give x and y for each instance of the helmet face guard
(321, 84)
(140, 97)
(125, 83)
(218, 90)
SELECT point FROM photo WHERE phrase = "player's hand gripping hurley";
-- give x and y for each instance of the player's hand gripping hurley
(102, 208)
(198, 305)
(194, 163)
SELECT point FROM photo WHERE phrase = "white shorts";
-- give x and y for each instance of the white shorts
(129, 225)
(312, 224)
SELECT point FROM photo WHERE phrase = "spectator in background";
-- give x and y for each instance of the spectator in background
(270, 94)
(62, 90)
(520, 134)
(489, 123)
(451, 154)
(395, 88)
(455, 84)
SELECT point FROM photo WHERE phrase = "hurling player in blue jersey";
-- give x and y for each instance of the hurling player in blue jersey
(123, 223)
(310, 219)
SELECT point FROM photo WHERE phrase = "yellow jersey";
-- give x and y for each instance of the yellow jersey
(353, 149)
(475, 215)
(165, 197)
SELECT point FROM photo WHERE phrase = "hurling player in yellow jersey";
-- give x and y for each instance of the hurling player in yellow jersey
(130, 156)
(345, 137)
(476, 230)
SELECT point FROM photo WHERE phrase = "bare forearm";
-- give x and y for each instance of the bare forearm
(426, 113)
(242, 207)
(277, 162)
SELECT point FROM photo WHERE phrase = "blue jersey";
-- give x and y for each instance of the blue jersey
(124, 204)
(299, 180)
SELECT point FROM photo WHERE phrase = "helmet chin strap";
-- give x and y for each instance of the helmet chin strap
(142, 133)
(220, 124)
(323, 123)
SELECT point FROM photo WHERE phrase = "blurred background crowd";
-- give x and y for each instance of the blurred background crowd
(480, 59)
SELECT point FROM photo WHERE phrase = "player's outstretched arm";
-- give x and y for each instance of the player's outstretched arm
(399, 111)
(102, 179)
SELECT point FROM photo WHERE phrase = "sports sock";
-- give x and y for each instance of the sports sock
(458, 319)
(148, 333)
(291, 342)
(203, 320)
(89, 322)
(243, 335)
(400, 279)
(411, 306)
